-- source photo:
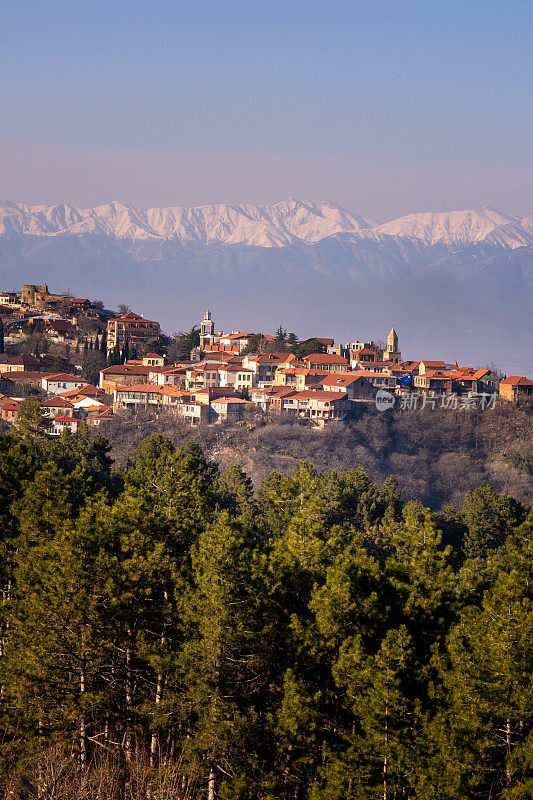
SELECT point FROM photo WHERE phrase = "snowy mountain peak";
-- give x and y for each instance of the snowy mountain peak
(449, 227)
(287, 222)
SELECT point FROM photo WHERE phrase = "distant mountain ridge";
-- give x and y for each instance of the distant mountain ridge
(281, 224)
(460, 281)
(276, 225)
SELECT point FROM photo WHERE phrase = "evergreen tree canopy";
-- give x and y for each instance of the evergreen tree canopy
(167, 631)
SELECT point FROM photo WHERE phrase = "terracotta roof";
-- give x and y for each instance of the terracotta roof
(62, 376)
(233, 368)
(141, 387)
(25, 361)
(282, 392)
(321, 395)
(87, 389)
(21, 374)
(126, 369)
(106, 412)
(65, 419)
(237, 336)
(308, 371)
(340, 379)
(57, 402)
(436, 375)
(10, 405)
(363, 373)
(271, 357)
(174, 391)
(215, 391)
(229, 400)
(60, 325)
(432, 363)
(326, 358)
(516, 380)
(131, 316)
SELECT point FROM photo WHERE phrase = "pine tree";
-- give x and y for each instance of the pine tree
(56, 662)
(489, 518)
(32, 421)
(489, 680)
(219, 666)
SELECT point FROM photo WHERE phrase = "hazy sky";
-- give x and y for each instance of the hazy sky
(386, 106)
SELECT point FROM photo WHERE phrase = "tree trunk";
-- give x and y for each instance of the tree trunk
(40, 764)
(128, 740)
(508, 743)
(386, 737)
(158, 695)
(211, 785)
(153, 743)
(83, 726)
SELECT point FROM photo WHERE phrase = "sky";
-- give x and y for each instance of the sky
(384, 106)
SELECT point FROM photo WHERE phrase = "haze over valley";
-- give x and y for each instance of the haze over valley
(461, 282)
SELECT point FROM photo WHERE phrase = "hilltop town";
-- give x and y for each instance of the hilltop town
(88, 363)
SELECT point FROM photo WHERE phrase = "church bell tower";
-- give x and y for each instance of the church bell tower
(392, 353)
(207, 330)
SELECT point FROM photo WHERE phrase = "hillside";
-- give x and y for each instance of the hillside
(434, 456)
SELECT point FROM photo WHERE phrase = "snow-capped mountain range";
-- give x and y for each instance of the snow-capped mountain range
(460, 282)
(285, 223)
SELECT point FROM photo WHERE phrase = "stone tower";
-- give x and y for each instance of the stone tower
(392, 352)
(207, 330)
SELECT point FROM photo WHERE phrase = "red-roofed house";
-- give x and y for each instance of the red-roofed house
(238, 377)
(95, 418)
(123, 374)
(153, 360)
(515, 388)
(21, 363)
(434, 380)
(137, 395)
(58, 406)
(63, 423)
(264, 366)
(9, 411)
(381, 380)
(227, 408)
(61, 382)
(132, 328)
(471, 380)
(365, 355)
(60, 328)
(326, 361)
(235, 341)
(315, 404)
(87, 390)
(354, 385)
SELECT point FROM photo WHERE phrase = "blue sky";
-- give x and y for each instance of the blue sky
(386, 106)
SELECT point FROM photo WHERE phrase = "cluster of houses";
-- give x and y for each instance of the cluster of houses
(65, 398)
(223, 379)
(58, 314)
